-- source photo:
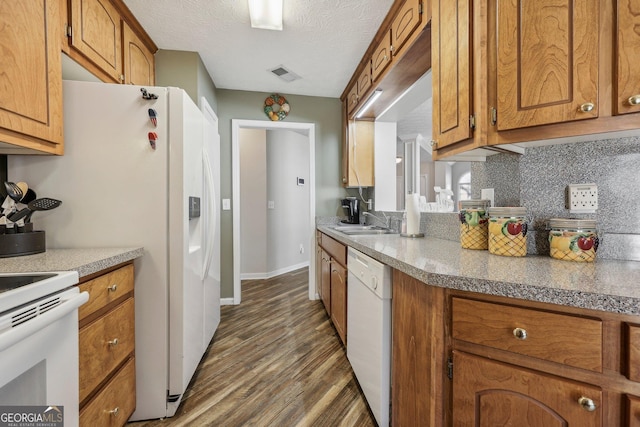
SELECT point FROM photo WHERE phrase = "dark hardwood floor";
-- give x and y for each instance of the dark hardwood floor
(275, 360)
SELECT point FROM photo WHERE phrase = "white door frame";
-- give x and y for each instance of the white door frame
(309, 128)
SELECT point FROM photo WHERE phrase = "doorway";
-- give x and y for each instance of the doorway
(308, 131)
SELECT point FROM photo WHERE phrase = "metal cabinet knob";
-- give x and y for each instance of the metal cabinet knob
(634, 100)
(520, 333)
(112, 288)
(115, 411)
(113, 342)
(587, 404)
(587, 106)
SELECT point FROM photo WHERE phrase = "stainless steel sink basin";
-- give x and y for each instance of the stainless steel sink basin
(362, 229)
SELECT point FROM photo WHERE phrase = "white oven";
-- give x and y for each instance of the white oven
(39, 347)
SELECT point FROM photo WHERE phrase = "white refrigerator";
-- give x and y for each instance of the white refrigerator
(142, 171)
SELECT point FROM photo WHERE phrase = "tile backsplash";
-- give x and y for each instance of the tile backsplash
(538, 179)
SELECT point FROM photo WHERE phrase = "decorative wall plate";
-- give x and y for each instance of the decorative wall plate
(276, 107)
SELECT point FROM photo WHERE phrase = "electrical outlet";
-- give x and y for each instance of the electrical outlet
(582, 198)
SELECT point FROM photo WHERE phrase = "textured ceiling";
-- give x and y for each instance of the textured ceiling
(322, 41)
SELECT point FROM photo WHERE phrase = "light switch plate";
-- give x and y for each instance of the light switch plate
(582, 198)
(226, 204)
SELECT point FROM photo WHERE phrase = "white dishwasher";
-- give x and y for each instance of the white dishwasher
(369, 330)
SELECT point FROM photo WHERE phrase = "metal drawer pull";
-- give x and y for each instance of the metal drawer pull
(587, 106)
(587, 404)
(115, 411)
(113, 342)
(112, 288)
(520, 333)
(634, 100)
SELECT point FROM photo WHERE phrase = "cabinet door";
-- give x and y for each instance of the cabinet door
(359, 154)
(627, 83)
(404, 24)
(381, 57)
(31, 74)
(352, 99)
(139, 62)
(339, 299)
(547, 62)
(97, 34)
(325, 281)
(633, 410)
(487, 393)
(364, 81)
(451, 71)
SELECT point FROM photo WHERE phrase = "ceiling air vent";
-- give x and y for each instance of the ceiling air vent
(285, 74)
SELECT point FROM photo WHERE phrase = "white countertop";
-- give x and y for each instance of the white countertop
(606, 285)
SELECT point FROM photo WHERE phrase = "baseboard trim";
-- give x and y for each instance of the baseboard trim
(226, 301)
(269, 275)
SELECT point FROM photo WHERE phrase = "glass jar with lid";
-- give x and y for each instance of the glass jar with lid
(508, 231)
(474, 219)
(573, 239)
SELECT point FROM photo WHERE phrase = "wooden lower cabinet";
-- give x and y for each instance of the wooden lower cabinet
(489, 393)
(325, 280)
(115, 404)
(633, 411)
(333, 281)
(418, 356)
(107, 349)
(339, 299)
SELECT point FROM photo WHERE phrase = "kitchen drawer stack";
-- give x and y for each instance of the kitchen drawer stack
(107, 338)
(544, 363)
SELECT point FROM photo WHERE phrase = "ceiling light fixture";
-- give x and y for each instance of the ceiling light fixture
(266, 14)
(374, 96)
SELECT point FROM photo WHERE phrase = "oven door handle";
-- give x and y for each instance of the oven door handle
(23, 331)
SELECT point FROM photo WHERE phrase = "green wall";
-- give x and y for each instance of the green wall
(186, 70)
(325, 113)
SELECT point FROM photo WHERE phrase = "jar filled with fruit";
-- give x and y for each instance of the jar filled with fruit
(508, 231)
(474, 219)
(573, 239)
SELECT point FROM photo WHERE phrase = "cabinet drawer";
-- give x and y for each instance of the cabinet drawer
(115, 403)
(105, 289)
(100, 353)
(561, 338)
(335, 249)
(633, 344)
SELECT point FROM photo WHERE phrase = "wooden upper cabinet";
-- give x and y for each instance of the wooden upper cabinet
(547, 62)
(451, 71)
(404, 24)
(352, 99)
(139, 62)
(31, 76)
(97, 34)
(627, 81)
(364, 81)
(381, 57)
(496, 394)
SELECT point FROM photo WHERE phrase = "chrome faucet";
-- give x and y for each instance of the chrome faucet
(386, 221)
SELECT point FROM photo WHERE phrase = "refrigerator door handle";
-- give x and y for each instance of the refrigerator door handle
(211, 215)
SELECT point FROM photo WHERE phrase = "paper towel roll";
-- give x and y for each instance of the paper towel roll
(412, 207)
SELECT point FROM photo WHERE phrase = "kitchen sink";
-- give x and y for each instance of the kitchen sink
(362, 229)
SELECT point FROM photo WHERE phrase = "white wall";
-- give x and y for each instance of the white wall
(270, 163)
(253, 200)
(288, 222)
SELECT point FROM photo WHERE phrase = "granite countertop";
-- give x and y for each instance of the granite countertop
(85, 261)
(606, 285)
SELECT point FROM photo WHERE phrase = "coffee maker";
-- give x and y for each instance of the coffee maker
(352, 208)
